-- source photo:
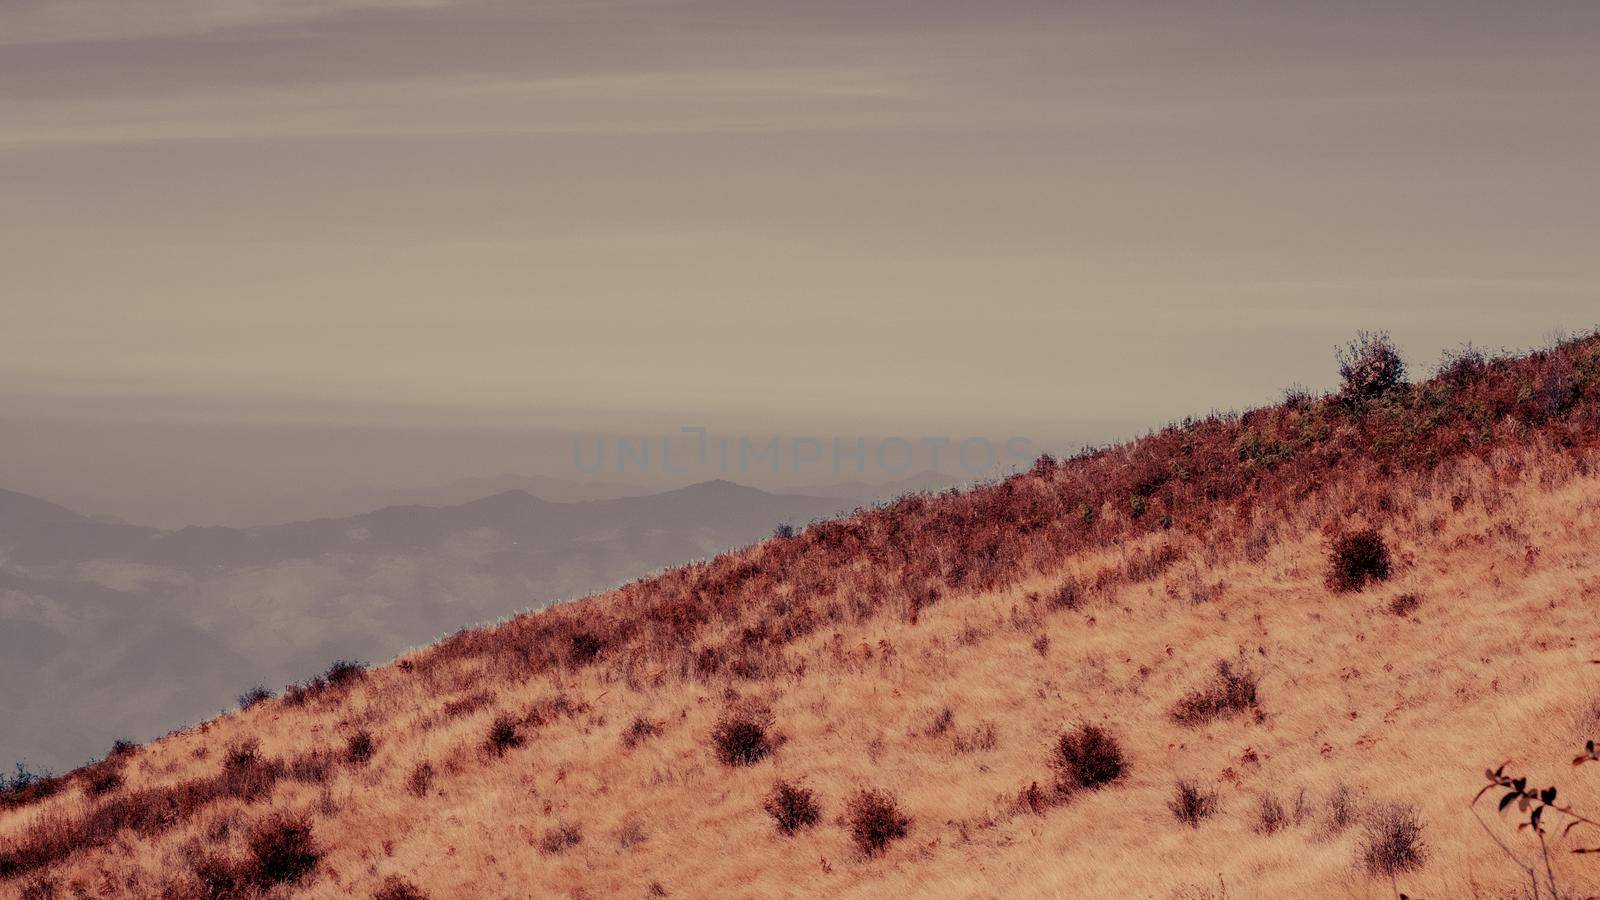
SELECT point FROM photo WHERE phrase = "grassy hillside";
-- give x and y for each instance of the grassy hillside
(1325, 618)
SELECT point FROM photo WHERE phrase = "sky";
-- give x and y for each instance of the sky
(233, 231)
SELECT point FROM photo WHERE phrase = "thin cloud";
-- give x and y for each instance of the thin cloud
(63, 21)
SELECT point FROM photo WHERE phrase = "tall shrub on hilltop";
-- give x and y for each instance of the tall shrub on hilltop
(1370, 367)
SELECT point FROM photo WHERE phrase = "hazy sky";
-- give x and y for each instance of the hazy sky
(962, 216)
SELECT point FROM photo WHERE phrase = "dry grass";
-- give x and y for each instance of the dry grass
(497, 751)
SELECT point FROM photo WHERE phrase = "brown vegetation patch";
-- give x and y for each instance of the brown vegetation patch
(876, 821)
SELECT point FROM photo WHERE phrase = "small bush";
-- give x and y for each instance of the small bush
(641, 730)
(313, 767)
(583, 647)
(396, 888)
(1229, 693)
(359, 749)
(282, 850)
(876, 821)
(559, 838)
(1088, 757)
(1342, 809)
(631, 834)
(792, 807)
(1358, 559)
(940, 723)
(255, 695)
(1270, 815)
(1462, 367)
(503, 735)
(345, 672)
(1392, 844)
(218, 876)
(122, 747)
(1191, 805)
(471, 703)
(1069, 595)
(103, 781)
(420, 780)
(1370, 367)
(741, 738)
(783, 531)
(1404, 604)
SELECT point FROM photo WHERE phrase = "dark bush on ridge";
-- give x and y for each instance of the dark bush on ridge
(283, 849)
(1358, 559)
(1229, 693)
(1088, 757)
(345, 671)
(1370, 367)
(792, 807)
(253, 696)
(741, 738)
(1191, 805)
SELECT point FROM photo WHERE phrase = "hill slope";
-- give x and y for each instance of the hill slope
(925, 671)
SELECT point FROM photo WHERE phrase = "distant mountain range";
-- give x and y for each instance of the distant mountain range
(112, 630)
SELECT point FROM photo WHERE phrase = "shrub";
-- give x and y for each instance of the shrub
(792, 807)
(345, 672)
(1190, 804)
(1230, 692)
(253, 696)
(631, 834)
(218, 876)
(1342, 809)
(103, 781)
(639, 731)
(122, 747)
(313, 767)
(560, 837)
(583, 647)
(1405, 604)
(876, 821)
(359, 749)
(1393, 843)
(741, 738)
(503, 735)
(396, 888)
(421, 779)
(1088, 757)
(1068, 596)
(1357, 559)
(283, 849)
(1370, 367)
(469, 704)
(783, 531)
(1270, 815)
(1462, 367)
